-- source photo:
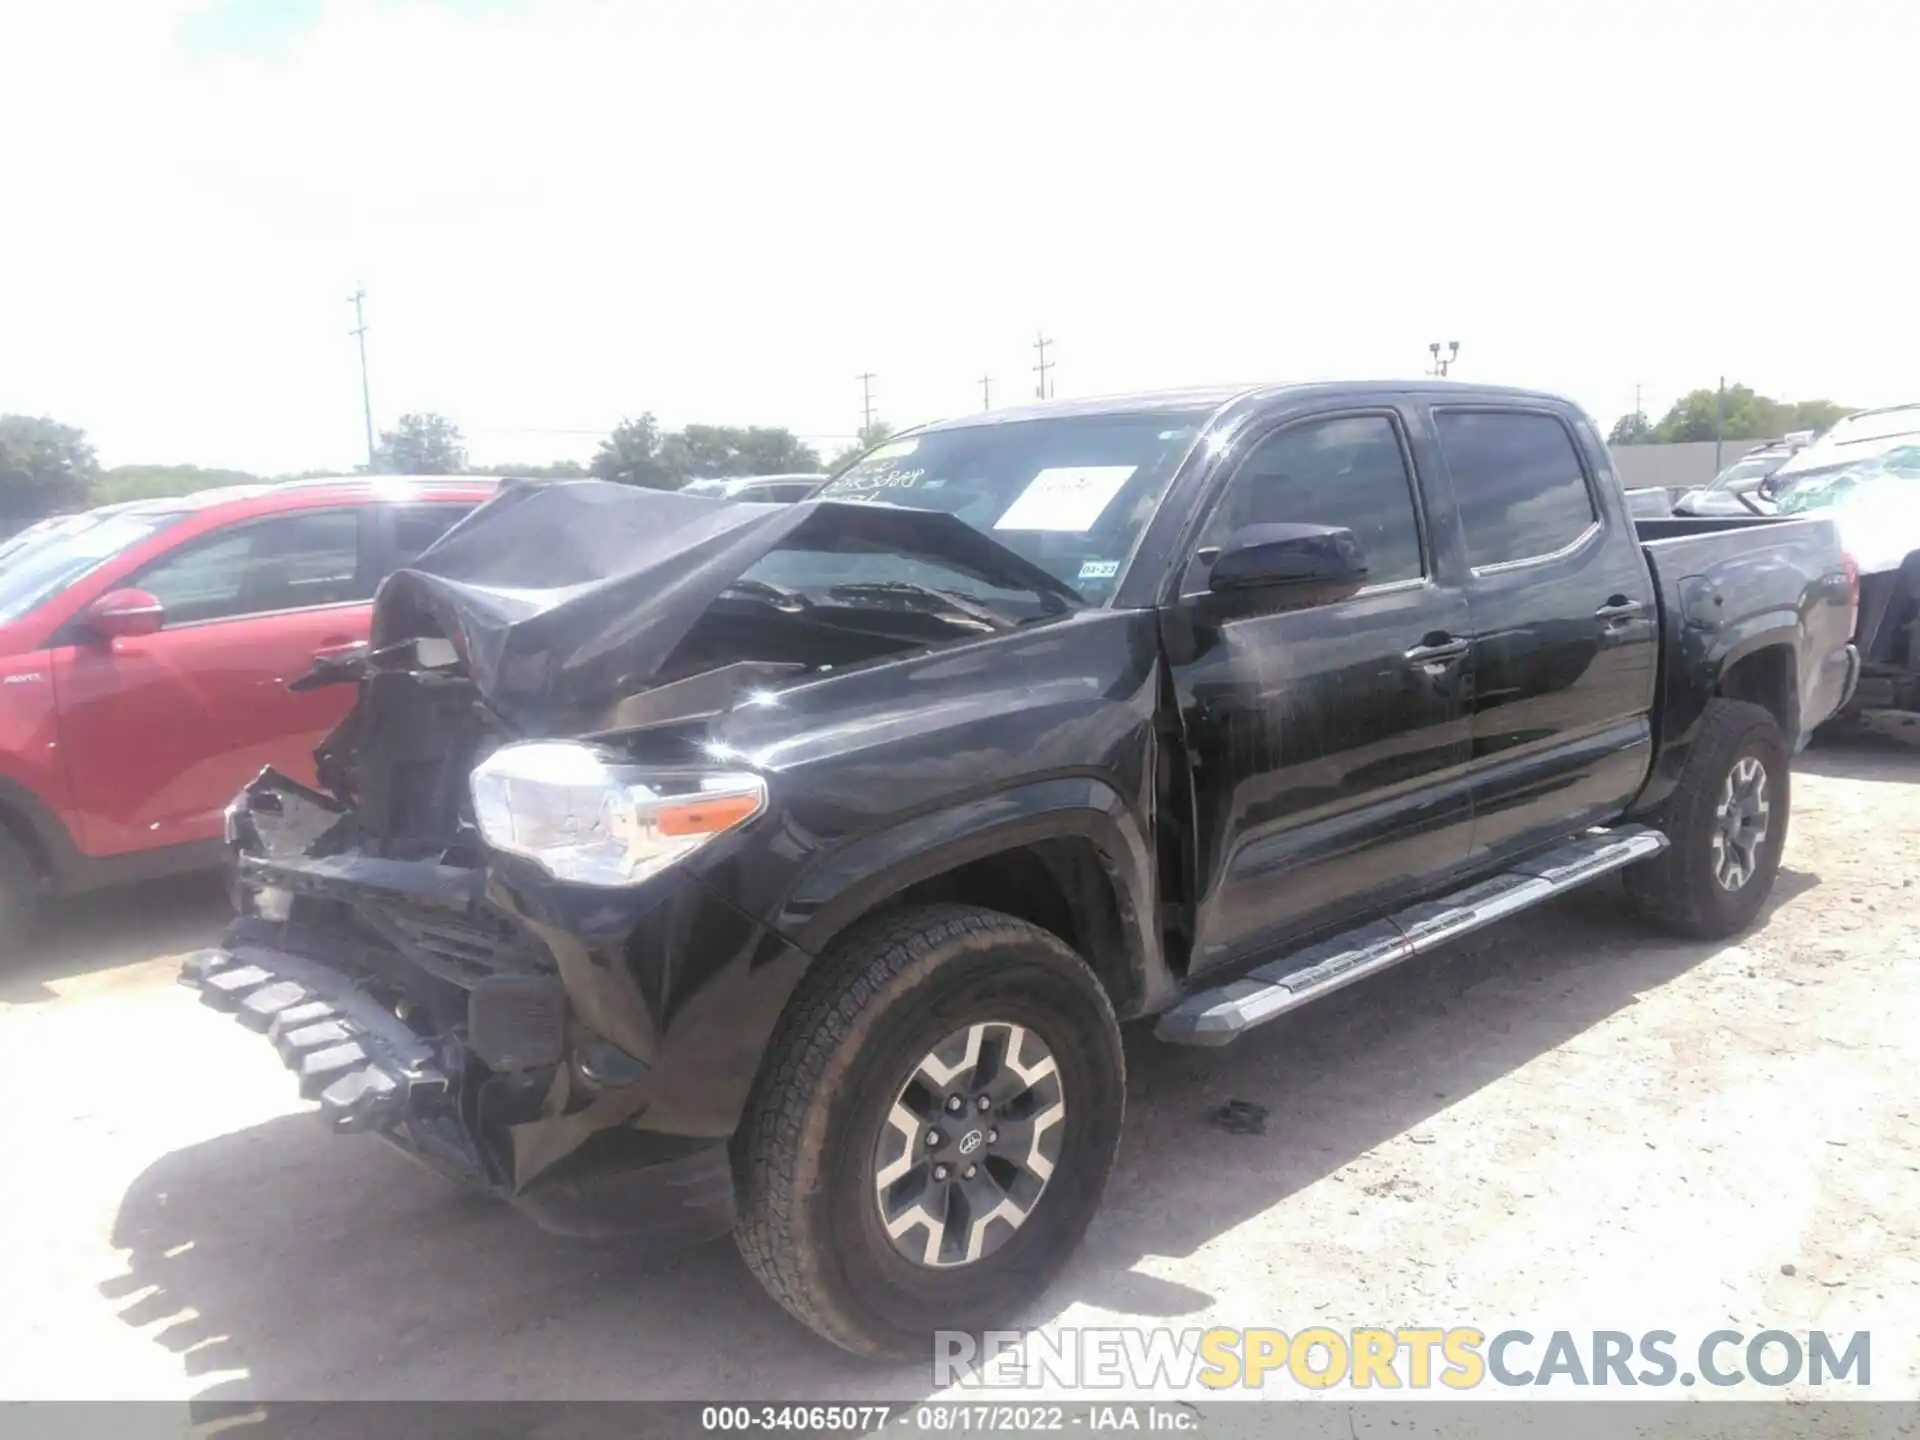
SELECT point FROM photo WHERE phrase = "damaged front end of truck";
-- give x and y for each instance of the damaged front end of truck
(475, 936)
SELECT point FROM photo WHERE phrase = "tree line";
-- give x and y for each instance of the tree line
(1736, 413)
(47, 468)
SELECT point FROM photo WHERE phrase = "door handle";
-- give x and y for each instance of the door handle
(1437, 650)
(1618, 608)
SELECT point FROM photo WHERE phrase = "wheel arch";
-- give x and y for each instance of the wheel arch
(1065, 854)
(39, 832)
(1766, 672)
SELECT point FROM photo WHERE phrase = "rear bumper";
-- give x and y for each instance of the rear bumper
(371, 1073)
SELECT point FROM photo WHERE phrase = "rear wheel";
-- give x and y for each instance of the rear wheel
(1727, 824)
(932, 1130)
(19, 893)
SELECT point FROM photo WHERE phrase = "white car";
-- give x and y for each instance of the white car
(1729, 492)
(1874, 502)
(1865, 436)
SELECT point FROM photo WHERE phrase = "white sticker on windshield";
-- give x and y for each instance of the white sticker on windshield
(1099, 569)
(1069, 498)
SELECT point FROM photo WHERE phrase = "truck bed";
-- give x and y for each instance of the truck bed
(1655, 529)
(1722, 597)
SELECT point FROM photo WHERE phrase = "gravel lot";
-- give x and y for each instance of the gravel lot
(1559, 1124)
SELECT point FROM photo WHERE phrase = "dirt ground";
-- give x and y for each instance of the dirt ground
(1559, 1124)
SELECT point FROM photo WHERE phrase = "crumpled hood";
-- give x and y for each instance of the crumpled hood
(566, 597)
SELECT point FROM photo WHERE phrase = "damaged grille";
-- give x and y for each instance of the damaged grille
(462, 949)
(415, 739)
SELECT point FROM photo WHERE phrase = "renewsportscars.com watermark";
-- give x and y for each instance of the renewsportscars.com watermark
(1407, 1358)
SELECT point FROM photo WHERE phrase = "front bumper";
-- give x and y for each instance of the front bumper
(370, 1072)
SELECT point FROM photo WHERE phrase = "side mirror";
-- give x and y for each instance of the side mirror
(1299, 564)
(121, 614)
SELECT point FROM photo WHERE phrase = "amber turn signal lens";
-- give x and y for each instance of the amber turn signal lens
(707, 815)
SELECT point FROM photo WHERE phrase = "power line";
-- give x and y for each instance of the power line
(866, 400)
(359, 332)
(1040, 390)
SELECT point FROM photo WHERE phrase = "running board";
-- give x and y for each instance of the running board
(1217, 1016)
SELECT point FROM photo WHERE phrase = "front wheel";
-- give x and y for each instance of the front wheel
(1726, 822)
(19, 893)
(932, 1130)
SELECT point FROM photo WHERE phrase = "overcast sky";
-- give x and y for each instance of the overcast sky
(564, 212)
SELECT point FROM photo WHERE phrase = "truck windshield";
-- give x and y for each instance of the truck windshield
(44, 566)
(1070, 493)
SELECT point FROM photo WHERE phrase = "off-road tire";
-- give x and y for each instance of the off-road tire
(809, 1225)
(19, 893)
(1677, 890)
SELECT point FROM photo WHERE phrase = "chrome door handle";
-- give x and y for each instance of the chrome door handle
(1619, 609)
(1436, 651)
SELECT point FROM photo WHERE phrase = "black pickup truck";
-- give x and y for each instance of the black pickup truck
(689, 865)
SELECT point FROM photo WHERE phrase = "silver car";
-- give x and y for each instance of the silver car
(1736, 489)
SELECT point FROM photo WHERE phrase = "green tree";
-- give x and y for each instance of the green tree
(706, 452)
(139, 482)
(770, 450)
(1630, 429)
(422, 443)
(631, 455)
(638, 452)
(45, 468)
(554, 470)
(869, 436)
(1736, 413)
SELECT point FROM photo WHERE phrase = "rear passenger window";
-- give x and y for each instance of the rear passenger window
(1350, 472)
(1518, 482)
(415, 527)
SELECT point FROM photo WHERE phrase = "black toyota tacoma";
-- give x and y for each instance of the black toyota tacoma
(689, 865)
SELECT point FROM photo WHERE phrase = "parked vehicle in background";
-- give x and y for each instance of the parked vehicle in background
(1648, 503)
(1736, 489)
(1860, 436)
(686, 866)
(761, 489)
(53, 525)
(146, 649)
(1874, 503)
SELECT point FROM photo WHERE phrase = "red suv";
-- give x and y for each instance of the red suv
(145, 654)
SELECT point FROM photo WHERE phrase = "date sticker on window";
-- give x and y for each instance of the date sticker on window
(1067, 498)
(1099, 569)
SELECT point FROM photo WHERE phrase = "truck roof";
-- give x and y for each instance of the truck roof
(1210, 398)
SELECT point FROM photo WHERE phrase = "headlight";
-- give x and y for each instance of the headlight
(591, 820)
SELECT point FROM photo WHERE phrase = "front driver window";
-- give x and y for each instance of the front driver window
(1349, 472)
(291, 562)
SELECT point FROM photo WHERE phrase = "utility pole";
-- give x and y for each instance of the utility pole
(986, 392)
(1440, 364)
(1719, 421)
(359, 332)
(866, 401)
(1040, 390)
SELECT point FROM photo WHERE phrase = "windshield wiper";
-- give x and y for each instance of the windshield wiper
(791, 601)
(956, 601)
